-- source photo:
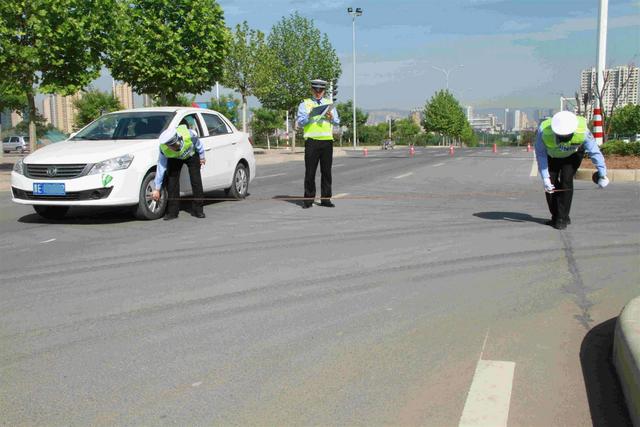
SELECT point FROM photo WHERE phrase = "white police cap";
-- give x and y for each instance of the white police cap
(319, 84)
(564, 123)
(169, 136)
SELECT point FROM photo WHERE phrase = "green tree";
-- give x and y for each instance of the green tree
(165, 47)
(444, 115)
(41, 126)
(345, 112)
(243, 69)
(228, 107)
(51, 45)
(92, 105)
(299, 53)
(406, 130)
(626, 121)
(265, 121)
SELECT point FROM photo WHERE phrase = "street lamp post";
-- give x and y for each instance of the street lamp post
(353, 14)
(446, 72)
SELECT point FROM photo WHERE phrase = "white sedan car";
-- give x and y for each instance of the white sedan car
(112, 162)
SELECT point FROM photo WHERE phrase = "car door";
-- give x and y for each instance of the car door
(192, 121)
(222, 145)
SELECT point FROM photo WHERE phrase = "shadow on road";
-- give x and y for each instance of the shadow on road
(81, 215)
(606, 401)
(510, 216)
(295, 200)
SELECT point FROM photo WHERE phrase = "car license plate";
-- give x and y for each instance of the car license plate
(48, 189)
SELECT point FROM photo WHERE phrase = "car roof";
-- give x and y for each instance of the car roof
(166, 110)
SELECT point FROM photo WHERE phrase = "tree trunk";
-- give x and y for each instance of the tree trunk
(32, 122)
(293, 139)
(162, 99)
(244, 113)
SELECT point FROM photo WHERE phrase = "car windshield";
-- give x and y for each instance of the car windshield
(129, 125)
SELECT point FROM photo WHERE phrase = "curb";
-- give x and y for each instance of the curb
(614, 175)
(626, 356)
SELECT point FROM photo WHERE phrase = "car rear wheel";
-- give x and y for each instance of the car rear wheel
(240, 184)
(147, 208)
(51, 212)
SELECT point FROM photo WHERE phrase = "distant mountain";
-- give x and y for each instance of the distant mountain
(380, 116)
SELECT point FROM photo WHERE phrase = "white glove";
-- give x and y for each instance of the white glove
(603, 182)
(548, 186)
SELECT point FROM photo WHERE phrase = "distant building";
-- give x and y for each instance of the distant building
(416, 116)
(124, 94)
(64, 111)
(147, 100)
(615, 78)
(48, 112)
(5, 119)
(487, 123)
(16, 118)
(469, 112)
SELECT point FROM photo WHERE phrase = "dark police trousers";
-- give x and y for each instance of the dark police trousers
(314, 151)
(174, 166)
(562, 171)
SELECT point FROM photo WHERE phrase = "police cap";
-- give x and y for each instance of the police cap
(319, 84)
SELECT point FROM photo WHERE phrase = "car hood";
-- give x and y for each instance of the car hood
(87, 151)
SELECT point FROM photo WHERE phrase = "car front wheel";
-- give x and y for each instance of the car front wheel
(240, 184)
(147, 208)
(51, 212)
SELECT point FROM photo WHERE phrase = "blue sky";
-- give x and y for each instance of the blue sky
(515, 53)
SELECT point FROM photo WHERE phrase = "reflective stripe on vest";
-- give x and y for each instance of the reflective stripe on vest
(564, 149)
(187, 148)
(318, 127)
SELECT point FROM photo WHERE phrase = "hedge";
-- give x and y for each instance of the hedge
(621, 148)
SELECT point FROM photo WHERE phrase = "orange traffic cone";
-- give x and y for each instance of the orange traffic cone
(365, 152)
(528, 148)
(412, 151)
(495, 148)
(451, 150)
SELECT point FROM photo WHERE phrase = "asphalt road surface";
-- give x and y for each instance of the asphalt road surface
(433, 294)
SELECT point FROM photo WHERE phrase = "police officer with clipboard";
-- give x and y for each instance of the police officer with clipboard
(317, 116)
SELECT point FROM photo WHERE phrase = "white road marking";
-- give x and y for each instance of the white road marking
(337, 166)
(338, 196)
(270, 176)
(198, 384)
(403, 175)
(490, 395)
(438, 164)
(48, 241)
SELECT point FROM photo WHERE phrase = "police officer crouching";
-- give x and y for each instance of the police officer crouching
(318, 146)
(560, 145)
(177, 147)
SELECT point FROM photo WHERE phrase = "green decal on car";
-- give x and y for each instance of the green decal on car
(106, 179)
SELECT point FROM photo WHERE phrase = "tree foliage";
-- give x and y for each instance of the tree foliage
(444, 115)
(165, 47)
(626, 121)
(265, 121)
(345, 112)
(51, 45)
(228, 107)
(92, 105)
(299, 52)
(243, 70)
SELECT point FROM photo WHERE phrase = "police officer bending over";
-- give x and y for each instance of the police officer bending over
(177, 147)
(560, 145)
(318, 146)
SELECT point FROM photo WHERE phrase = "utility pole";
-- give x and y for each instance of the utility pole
(357, 12)
(598, 125)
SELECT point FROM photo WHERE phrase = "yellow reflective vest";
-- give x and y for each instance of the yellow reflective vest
(318, 127)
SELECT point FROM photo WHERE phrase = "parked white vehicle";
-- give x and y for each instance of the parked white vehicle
(112, 162)
(15, 143)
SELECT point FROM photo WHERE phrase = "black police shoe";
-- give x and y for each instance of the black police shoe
(560, 224)
(199, 214)
(327, 204)
(306, 205)
(169, 217)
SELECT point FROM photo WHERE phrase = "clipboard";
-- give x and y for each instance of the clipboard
(320, 110)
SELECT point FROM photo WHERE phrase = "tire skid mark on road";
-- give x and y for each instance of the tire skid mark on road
(576, 287)
(316, 287)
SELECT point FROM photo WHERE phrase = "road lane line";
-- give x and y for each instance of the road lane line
(338, 196)
(438, 164)
(490, 395)
(534, 167)
(270, 176)
(403, 175)
(337, 166)
(48, 241)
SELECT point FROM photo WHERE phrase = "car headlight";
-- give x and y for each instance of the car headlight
(111, 165)
(18, 167)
